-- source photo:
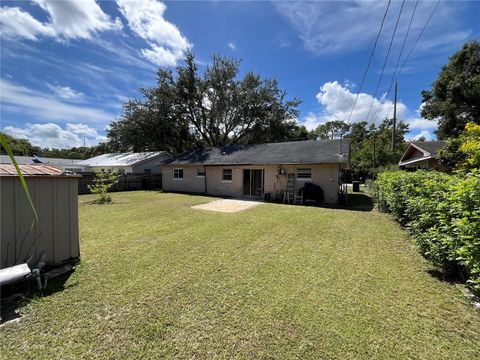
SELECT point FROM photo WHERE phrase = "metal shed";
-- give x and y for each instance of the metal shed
(54, 194)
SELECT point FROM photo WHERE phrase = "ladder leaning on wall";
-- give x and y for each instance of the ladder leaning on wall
(289, 194)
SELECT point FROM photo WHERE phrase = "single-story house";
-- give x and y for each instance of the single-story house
(69, 165)
(422, 155)
(259, 171)
(127, 163)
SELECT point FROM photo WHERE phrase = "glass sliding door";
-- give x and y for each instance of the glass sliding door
(253, 182)
(247, 180)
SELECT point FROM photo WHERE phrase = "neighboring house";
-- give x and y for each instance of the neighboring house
(257, 170)
(69, 165)
(127, 163)
(422, 155)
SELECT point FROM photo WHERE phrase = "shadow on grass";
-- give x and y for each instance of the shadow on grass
(15, 296)
(360, 202)
(450, 277)
(356, 201)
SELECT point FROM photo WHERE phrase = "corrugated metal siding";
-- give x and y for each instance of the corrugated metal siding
(56, 202)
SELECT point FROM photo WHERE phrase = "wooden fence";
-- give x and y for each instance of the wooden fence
(126, 182)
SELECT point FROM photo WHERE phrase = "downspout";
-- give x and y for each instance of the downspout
(205, 180)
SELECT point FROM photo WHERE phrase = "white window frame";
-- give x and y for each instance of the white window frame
(302, 178)
(223, 175)
(203, 171)
(177, 172)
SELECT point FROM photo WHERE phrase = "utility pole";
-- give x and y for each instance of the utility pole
(394, 119)
(374, 133)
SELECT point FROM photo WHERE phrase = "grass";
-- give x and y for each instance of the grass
(161, 280)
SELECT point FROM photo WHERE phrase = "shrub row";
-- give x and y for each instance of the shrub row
(441, 212)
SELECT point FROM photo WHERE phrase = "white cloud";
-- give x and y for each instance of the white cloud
(232, 45)
(421, 124)
(146, 19)
(14, 22)
(46, 106)
(427, 135)
(66, 92)
(66, 20)
(312, 120)
(53, 136)
(82, 130)
(329, 27)
(337, 101)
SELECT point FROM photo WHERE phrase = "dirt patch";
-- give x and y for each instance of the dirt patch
(227, 205)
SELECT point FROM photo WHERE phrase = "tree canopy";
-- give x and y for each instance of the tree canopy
(23, 147)
(363, 138)
(463, 153)
(20, 147)
(455, 96)
(216, 108)
(332, 129)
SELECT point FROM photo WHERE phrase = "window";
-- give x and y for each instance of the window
(201, 172)
(147, 171)
(121, 171)
(227, 174)
(304, 173)
(177, 174)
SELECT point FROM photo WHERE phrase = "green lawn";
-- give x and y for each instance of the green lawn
(159, 279)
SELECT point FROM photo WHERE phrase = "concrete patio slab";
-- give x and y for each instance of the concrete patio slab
(227, 205)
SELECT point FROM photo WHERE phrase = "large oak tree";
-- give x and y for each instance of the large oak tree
(189, 109)
(454, 99)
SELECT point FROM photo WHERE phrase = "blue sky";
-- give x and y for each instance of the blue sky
(66, 66)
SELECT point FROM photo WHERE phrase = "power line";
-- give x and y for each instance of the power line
(419, 36)
(399, 58)
(369, 60)
(411, 51)
(386, 57)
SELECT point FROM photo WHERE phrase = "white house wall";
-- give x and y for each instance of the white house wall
(324, 175)
(152, 164)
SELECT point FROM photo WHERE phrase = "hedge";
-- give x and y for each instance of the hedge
(441, 212)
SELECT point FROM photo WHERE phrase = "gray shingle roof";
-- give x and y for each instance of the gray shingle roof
(432, 147)
(294, 152)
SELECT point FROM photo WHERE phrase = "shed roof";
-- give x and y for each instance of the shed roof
(33, 170)
(293, 152)
(124, 159)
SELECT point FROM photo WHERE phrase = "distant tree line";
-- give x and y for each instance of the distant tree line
(23, 147)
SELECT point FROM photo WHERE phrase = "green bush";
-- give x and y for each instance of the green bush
(441, 212)
(102, 182)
